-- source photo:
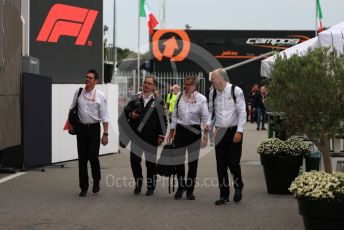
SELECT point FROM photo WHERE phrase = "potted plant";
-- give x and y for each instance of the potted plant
(309, 91)
(281, 162)
(320, 197)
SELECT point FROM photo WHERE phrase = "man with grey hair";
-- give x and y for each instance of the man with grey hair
(227, 111)
(191, 111)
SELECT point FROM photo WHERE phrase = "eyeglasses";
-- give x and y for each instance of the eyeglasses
(89, 78)
(148, 83)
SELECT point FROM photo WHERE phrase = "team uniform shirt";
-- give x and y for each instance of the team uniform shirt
(191, 111)
(227, 112)
(92, 106)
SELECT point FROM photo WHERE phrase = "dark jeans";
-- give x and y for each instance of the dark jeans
(135, 161)
(88, 150)
(186, 139)
(228, 155)
(261, 114)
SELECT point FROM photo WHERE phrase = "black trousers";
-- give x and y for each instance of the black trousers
(88, 150)
(186, 139)
(228, 155)
(136, 153)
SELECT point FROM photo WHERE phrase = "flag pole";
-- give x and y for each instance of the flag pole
(114, 38)
(138, 47)
(316, 18)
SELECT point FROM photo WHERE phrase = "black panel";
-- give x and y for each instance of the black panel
(12, 157)
(227, 47)
(108, 71)
(65, 61)
(36, 117)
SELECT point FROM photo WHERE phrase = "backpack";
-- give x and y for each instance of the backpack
(73, 116)
(165, 166)
(214, 96)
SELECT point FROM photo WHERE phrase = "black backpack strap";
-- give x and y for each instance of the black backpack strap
(80, 90)
(214, 96)
(169, 184)
(173, 183)
(233, 94)
(76, 101)
(180, 95)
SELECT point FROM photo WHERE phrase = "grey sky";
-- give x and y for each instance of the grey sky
(220, 14)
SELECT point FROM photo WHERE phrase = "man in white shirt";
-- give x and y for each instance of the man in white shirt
(92, 110)
(190, 111)
(227, 111)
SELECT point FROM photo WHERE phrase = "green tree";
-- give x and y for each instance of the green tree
(309, 90)
(106, 45)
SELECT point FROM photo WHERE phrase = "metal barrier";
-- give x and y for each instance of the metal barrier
(129, 84)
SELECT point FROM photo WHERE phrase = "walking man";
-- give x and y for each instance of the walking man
(92, 110)
(147, 120)
(227, 106)
(190, 112)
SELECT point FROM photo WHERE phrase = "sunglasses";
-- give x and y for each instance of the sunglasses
(148, 83)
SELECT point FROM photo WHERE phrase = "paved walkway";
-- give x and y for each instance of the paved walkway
(49, 200)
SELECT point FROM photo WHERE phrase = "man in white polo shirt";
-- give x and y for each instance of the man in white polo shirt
(227, 111)
(92, 110)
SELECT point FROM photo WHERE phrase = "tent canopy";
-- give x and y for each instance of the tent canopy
(333, 37)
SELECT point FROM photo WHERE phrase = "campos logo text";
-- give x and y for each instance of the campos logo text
(279, 43)
(65, 20)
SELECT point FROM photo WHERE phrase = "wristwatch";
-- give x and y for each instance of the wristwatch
(105, 134)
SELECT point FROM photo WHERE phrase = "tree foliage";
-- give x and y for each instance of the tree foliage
(309, 90)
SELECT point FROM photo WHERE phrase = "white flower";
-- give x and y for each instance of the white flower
(274, 146)
(316, 185)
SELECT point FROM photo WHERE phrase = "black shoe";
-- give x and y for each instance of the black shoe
(83, 193)
(179, 193)
(190, 196)
(263, 128)
(150, 192)
(258, 128)
(96, 187)
(237, 195)
(222, 201)
(137, 190)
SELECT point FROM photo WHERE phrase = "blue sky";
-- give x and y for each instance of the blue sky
(220, 14)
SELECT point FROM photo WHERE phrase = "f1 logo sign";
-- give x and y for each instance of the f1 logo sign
(65, 20)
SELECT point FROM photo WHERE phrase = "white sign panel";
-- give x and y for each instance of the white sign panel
(64, 145)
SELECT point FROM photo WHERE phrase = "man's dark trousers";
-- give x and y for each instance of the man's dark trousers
(228, 155)
(136, 153)
(88, 150)
(186, 139)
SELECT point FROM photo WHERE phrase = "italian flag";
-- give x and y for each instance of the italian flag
(319, 16)
(145, 12)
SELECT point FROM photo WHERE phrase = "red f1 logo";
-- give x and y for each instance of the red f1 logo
(65, 20)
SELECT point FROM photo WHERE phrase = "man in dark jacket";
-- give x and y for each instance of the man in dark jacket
(258, 104)
(147, 120)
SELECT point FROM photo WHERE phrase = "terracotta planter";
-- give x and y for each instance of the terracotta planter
(280, 171)
(320, 215)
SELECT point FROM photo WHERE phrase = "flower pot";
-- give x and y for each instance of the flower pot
(280, 171)
(312, 161)
(321, 214)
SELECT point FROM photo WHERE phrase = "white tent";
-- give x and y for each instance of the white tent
(333, 37)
